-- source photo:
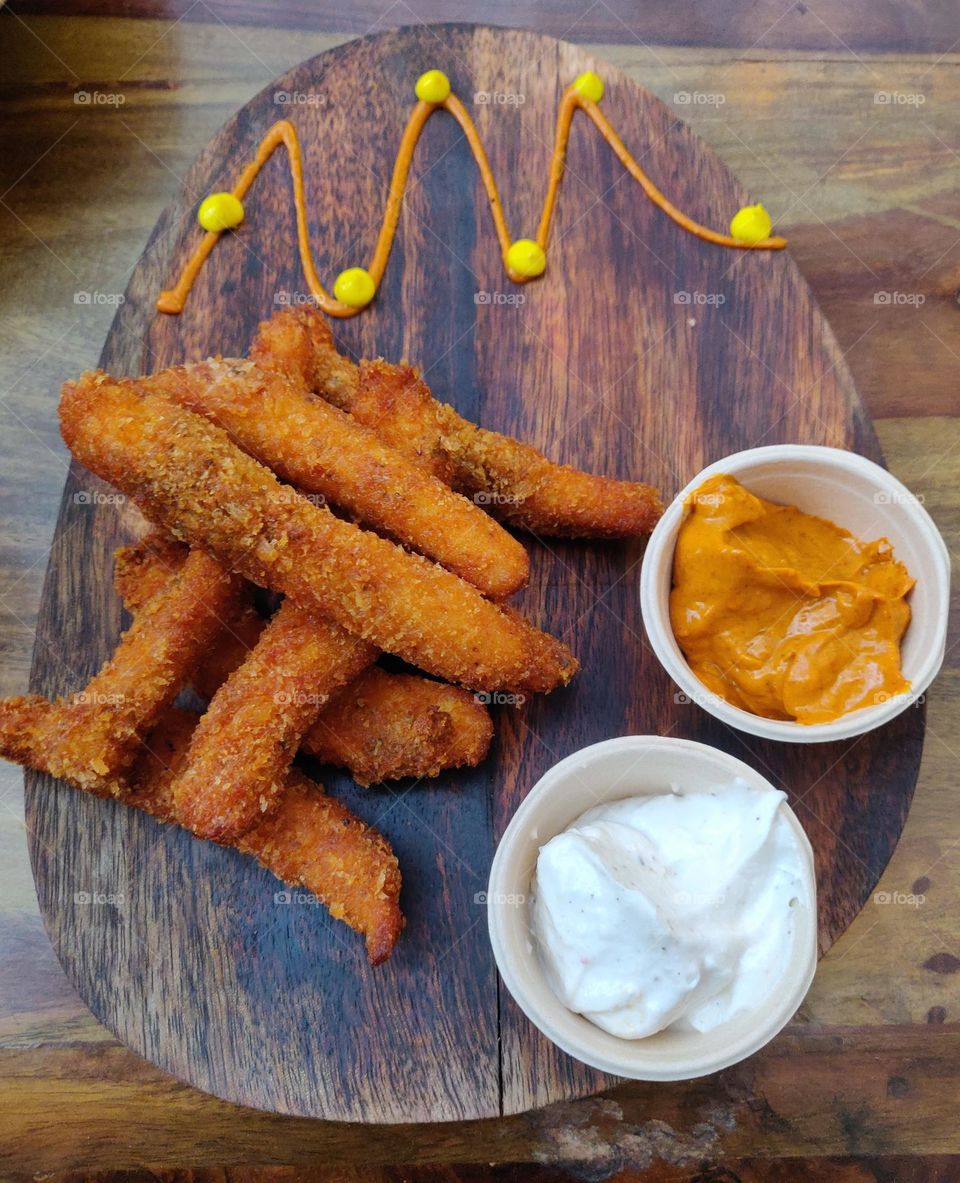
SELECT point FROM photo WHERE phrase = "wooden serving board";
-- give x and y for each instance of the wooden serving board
(185, 950)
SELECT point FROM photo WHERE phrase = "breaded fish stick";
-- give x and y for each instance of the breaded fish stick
(298, 342)
(320, 449)
(233, 774)
(187, 475)
(311, 841)
(143, 568)
(513, 480)
(381, 727)
(388, 726)
(93, 737)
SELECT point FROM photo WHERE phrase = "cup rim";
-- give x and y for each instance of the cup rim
(660, 550)
(572, 1032)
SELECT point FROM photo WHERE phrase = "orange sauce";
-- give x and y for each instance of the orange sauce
(784, 614)
(285, 133)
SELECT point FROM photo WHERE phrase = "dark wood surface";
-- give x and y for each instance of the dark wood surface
(879, 1169)
(199, 969)
(832, 26)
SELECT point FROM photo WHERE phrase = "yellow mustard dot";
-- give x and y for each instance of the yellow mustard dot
(751, 224)
(433, 87)
(220, 211)
(526, 257)
(590, 85)
(355, 287)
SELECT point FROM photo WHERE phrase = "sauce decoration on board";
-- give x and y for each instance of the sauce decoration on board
(523, 259)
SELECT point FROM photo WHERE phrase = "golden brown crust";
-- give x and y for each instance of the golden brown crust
(311, 841)
(245, 743)
(380, 727)
(298, 342)
(395, 401)
(512, 480)
(144, 568)
(389, 726)
(188, 476)
(323, 451)
(92, 737)
(522, 487)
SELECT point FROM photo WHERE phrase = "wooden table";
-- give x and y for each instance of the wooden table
(843, 118)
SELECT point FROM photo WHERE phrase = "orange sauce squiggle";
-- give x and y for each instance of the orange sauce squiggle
(285, 133)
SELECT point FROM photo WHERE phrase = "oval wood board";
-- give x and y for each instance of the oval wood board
(194, 963)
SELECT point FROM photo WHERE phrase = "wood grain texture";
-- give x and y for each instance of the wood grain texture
(877, 1169)
(791, 129)
(198, 967)
(829, 25)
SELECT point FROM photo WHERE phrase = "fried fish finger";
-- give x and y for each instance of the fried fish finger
(320, 449)
(381, 727)
(311, 840)
(513, 480)
(188, 476)
(93, 736)
(298, 342)
(243, 746)
(145, 567)
(390, 726)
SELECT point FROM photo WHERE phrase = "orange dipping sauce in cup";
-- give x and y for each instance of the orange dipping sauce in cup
(784, 614)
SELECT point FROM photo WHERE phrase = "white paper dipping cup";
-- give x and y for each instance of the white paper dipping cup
(861, 497)
(635, 765)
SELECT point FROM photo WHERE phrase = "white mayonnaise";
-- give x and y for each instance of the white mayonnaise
(671, 910)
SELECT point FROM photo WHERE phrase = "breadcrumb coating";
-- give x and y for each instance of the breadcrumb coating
(93, 736)
(389, 726)
(512, 480)
(243, 746)
(381, 727)
(310, 841)
(187, 475)
(323, 451)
